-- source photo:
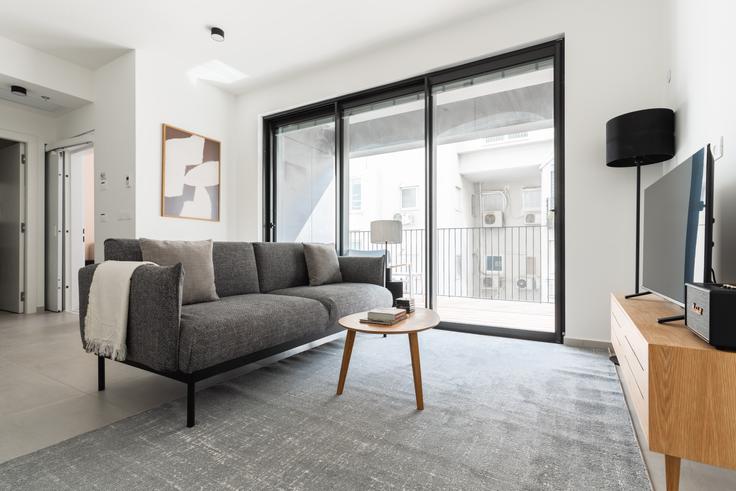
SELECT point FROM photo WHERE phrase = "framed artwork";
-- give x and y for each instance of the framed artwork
(190, 175)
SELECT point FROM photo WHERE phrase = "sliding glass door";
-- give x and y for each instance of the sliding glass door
(384, 155)
(494, 153)
(304, 165)
(469, 160)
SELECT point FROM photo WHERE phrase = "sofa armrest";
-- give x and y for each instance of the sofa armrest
(154, 311)
(358, 269)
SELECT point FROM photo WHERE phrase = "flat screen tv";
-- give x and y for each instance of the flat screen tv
(678, 228)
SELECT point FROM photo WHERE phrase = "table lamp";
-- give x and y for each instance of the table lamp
(386, 232)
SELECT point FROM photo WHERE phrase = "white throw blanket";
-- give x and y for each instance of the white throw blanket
(106, 322)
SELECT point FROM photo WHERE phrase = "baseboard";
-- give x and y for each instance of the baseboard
(586, 343)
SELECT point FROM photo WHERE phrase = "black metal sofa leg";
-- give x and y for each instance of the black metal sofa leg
(190, 404)
(100, 373)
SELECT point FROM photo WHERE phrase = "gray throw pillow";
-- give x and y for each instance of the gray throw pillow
(195, 256)
(322, 264)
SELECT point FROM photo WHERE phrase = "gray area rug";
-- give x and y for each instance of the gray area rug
(499, 414)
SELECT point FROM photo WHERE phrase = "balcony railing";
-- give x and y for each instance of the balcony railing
(494, 263)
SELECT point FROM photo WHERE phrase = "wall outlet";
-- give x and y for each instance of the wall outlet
(127, 182)
(103, 180)
(103, 217)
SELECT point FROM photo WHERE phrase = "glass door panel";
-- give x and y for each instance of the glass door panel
(305, 199)
(384, 153)
(494, 147)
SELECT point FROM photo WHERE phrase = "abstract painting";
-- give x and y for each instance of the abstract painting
(190, 175)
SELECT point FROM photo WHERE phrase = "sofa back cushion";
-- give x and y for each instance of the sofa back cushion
(280, 265)
(235, 268)
(234, 263)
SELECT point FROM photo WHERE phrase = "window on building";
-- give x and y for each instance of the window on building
(356, 194)
(493, 201)
(409, 197)
(531, 199)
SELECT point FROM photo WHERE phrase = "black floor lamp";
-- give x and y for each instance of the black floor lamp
(636, 139)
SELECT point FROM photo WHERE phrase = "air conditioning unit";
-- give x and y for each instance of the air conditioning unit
(493, 219)
(494, 282)
(532, 219)
(528, 282)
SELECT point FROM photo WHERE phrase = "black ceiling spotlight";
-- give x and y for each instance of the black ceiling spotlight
(18, 90)
(217, 34)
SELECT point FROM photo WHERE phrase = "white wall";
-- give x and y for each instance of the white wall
(115, 150)
(704, 99)
(166, 94)
(36, 67)
(35, 128)
(610, 70)
(76, 122)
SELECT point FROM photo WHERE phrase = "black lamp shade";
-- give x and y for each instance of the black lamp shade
(640, 137)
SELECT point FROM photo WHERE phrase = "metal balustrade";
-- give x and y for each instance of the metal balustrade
(512, 263)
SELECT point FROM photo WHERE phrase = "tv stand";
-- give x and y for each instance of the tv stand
(681, 389)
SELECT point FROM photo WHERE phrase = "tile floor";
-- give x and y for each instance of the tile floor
(48, 393)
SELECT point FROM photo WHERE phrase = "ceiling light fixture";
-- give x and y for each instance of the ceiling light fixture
(18, 90)
(217, 34)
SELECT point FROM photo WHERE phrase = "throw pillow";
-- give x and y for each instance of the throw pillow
(322, 264)
(195, 256)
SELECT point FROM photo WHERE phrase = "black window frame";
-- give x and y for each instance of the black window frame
(424, 84)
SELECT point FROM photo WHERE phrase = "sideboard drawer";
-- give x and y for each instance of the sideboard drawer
(633, 375)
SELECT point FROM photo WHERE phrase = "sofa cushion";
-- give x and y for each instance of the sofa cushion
(343, 299)
(280, 265)
(322, 264)
(235, 268)
(195, 256)
(239, 325)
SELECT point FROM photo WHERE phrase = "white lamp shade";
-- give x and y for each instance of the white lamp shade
(383, 231)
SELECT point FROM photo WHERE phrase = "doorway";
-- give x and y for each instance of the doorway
(12, 225)
(70, 240)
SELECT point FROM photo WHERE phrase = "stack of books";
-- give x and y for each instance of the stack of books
(406, 304)
(386, 317)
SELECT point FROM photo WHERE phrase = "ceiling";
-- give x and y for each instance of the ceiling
(39, 97)
(264, 39)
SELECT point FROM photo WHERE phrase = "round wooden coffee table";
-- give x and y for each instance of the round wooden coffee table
(419, 320)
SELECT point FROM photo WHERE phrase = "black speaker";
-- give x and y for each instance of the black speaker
(710, 312)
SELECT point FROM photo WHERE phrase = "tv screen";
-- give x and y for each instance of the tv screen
(678, 228)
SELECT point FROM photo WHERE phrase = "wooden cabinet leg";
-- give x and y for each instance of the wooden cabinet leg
(672, 472)
(349, 341)
(416, 368)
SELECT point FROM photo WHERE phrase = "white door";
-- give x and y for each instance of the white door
(76, 202)
(54, 230)
(12, 248)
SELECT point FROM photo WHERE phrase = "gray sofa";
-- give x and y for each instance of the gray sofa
(265, 307)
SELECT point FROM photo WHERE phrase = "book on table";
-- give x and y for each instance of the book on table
(385, 316)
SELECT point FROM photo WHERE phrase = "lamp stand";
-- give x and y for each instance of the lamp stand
(385, 258)
(637, 293)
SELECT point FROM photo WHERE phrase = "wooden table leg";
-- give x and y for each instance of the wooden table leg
(416, 368)
(672, 472)
(349, 341)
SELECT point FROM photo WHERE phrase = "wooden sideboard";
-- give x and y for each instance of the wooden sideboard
(682, 390)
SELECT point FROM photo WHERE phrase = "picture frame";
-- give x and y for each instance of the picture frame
(190, 175)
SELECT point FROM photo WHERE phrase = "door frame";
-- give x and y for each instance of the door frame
(424, 83)
(65, 148)
(30, 147)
